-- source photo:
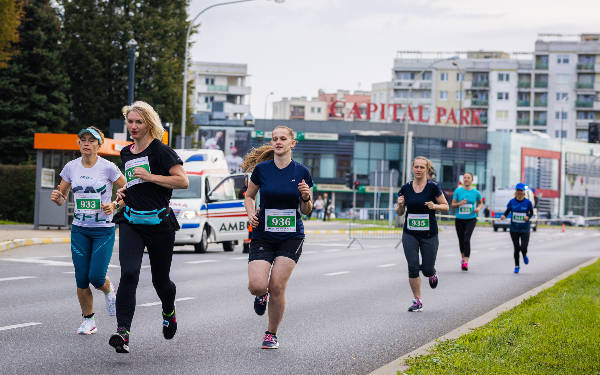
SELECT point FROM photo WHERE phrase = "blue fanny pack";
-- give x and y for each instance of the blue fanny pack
(153, 217)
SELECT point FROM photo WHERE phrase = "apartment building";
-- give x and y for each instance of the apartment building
(220, 90)
(346, 105)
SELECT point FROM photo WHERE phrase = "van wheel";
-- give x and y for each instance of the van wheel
(535, 229)
(246, 248)
(495, 229)
(504, 229)
(201, 246)
(228, 246)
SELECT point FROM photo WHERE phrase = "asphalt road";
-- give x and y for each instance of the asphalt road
(346, 311)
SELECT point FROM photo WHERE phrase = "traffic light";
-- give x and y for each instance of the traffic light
(356, 185)
(349, 183)
(594, 132)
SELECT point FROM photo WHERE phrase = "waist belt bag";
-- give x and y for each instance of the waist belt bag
(153, 217)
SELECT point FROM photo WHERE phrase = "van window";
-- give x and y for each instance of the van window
(224, 191)
(193, 191)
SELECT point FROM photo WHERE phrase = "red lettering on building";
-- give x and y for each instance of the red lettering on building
(356, 111)
(441, 112)
(371, 107)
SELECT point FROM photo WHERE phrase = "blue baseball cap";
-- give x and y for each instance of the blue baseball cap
(93, 132)
(521, 186)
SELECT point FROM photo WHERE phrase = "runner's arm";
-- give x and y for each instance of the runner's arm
(479, 206)
(59, 195)
(177, 178)
(250, 203)
(442, 205)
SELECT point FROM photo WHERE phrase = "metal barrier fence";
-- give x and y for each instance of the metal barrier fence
(374, 224)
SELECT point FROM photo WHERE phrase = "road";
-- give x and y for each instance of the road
(346, 311)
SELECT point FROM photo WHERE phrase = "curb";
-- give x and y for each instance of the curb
(11, 244)
(398, 366)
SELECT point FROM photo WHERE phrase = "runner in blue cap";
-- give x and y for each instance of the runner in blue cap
(90, 178)
(520, 226)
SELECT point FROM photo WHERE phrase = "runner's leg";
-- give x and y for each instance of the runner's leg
(81, 248)
(459, 224)
(160, 251)
(280, 275)
(469, 228)
(131, 251)
(411, 251)
(514, 236)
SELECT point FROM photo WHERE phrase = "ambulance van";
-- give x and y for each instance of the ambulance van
(210, 209)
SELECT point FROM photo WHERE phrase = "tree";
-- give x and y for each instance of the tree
(11, 12)
(33, 88)
(97, 33)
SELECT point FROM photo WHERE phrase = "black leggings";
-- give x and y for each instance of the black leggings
(132, 240)
(522, 248)
(464, 230)
(428, 248)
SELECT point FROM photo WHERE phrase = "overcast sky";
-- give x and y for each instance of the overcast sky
(300, 46)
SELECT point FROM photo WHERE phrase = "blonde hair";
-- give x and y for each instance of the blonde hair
(428, 165)
(149, 116)
(262, 153)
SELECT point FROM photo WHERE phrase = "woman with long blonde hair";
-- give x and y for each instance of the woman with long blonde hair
(421, 198)
(278, 232)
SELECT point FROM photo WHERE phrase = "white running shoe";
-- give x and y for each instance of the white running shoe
(111, 301)
(87, 327)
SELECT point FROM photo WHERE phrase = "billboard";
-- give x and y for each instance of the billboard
(234, 142)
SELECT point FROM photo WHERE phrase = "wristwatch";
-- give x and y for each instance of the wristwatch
(305, 201)
(117, 205)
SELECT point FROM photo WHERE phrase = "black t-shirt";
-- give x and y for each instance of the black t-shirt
(417, 215)
(158, 159)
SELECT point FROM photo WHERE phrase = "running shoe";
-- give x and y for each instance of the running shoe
(270, 341)
(464, 266)
(111, 301)
(260, 304)
(516, 269)
(169, 325)
(417, 305)
(433, 281)
(525, 259)
(87, 327)
(120, 340)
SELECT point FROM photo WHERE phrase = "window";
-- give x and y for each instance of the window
(502, 96)
(460, 95)
(327, 166)
(503, 77)
(426, 95)
(502, 115)
(312, 109)
(443, 95)
(582, 134)
(562, 78)
(585, 115)
(209, 81)
(557, 134)
(557, 115)
(318, 109)
(443, 76)
(562, 59)
(405, 76)
(427, 76)
(460, 76)
(562, 96)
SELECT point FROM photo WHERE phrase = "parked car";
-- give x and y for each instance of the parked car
(573, 220)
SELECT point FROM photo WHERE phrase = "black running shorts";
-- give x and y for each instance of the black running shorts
(266, 250)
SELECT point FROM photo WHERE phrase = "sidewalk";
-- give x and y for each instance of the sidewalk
(12, 236)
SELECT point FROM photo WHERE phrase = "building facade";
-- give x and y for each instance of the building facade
(220, 90)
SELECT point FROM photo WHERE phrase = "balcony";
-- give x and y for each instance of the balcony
(585, 66)
(523, 121)
(540, 103)
(541, 84)
(524, 84)
(583, 123)
(479, 102)
(523, 103)
(239, 90)
(584, 103)
(584, 85)
(541, 65)
(539, 121)
(481, 83)
(236, 108)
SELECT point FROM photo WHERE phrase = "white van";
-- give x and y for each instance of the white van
(501, 198)
(211, 209)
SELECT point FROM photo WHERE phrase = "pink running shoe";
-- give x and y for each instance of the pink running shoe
(464, 266)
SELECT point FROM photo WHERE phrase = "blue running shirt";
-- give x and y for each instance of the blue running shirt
(278, 189)
(417, 215)
(472, 196)
(519, 209)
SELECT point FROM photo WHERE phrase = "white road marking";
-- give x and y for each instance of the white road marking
(332, 251)
(19, 326)
(337, 273)
(160, 303)
(386, 265)
(70, 272)
(45, 262)
(332, 244)
(201, 261)
(18, 278)
(240, 258)
(308, 252)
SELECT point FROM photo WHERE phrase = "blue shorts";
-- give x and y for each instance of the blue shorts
(91, 250)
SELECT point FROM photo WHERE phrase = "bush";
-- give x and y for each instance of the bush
(17, 188)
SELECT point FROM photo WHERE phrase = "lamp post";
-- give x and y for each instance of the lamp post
(185, 60)
(132, 44)
(410, 86)
(563, 164)
(266, 100)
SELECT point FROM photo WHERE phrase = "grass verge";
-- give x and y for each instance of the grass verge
(9, 222)
(554, 332)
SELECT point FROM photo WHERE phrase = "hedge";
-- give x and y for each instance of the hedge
(17, 189)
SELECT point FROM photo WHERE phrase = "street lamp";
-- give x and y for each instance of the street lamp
(563, 164)
(266, 99)
(185, 60)
(410, 86)
(132, 44)
(461, 74)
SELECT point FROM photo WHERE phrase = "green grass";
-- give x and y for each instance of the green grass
(9, 222)
(555, 332)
